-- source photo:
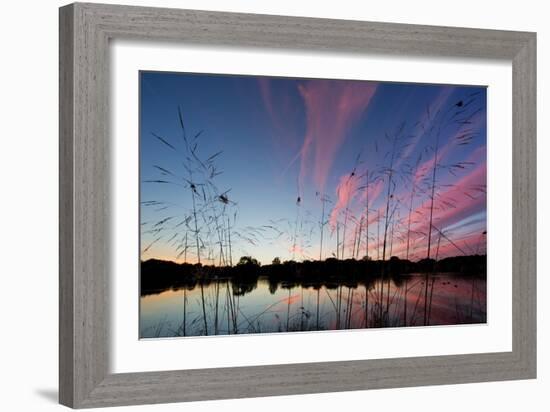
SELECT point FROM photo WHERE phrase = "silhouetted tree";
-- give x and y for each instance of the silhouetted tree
(248, 260)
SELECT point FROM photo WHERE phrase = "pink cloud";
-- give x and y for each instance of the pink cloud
(332, 109)
(465, 197)
(468, 243)
(351, 194)
(345, 191)
(479, 155)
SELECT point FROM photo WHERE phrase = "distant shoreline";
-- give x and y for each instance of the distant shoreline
(162, 274)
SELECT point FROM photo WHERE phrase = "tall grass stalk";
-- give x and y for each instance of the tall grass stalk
(204, 309)
(367, 216)
(184, 311)
(324, 199)
(229, 242)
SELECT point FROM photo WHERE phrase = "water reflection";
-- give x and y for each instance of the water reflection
(224, 307)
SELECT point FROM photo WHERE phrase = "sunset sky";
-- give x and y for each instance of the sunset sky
(286, 145)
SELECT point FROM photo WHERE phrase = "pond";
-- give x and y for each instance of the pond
(224, 307)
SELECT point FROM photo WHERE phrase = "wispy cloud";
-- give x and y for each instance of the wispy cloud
(450, 147)
(466, 197)
(332, 109)
(282, 105)
(426, 121)
(351, 193)
(346, 190)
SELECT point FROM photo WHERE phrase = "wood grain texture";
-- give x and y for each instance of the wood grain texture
(85, 31)
(524, 186)
(66, 229)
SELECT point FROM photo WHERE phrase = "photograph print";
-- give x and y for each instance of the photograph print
(272, 204)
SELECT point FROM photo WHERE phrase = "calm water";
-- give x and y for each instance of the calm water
(222, 307)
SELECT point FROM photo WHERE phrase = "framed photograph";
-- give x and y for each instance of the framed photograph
(257, 205)
(241, 246)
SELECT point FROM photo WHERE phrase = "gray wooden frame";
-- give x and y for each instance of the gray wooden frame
(85, 31)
